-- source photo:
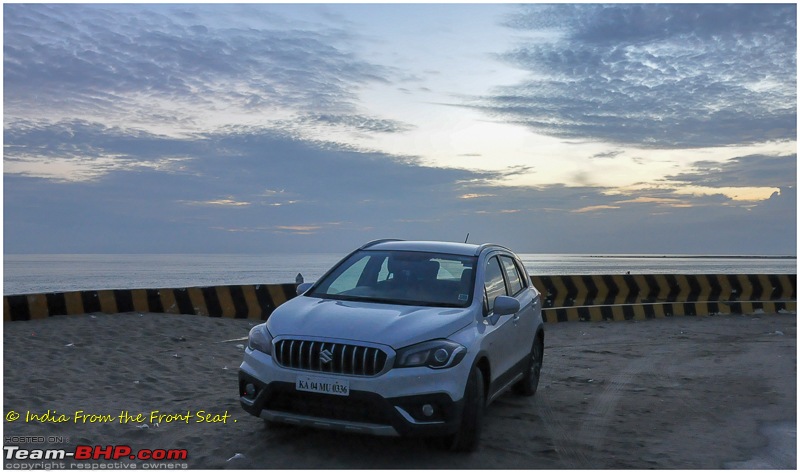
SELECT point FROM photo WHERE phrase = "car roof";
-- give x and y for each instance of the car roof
(453, 248)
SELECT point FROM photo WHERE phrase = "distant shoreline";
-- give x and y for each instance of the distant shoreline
(578, 255)
(693, 256)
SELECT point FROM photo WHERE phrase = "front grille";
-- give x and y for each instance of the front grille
(327, 357)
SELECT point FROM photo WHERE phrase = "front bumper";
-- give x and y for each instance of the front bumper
(426, 412)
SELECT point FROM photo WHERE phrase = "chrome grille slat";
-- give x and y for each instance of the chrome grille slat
(305, 355)
(301, 352)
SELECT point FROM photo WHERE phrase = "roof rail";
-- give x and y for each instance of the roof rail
(487, 245)
(375, 242)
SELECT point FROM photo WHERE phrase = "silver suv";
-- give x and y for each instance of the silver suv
(399, 338)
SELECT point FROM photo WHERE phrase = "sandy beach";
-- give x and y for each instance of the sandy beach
(677, 393)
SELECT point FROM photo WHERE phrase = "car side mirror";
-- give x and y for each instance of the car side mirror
(302, 288)
(504, 305)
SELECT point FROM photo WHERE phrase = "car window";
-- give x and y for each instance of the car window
(524, 278)
(512, 275)
(494, 283)
(348, 279)
(401, 277)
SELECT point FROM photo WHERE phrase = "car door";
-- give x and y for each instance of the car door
(499, 338)
(525, 320)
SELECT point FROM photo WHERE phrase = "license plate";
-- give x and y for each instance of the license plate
(316, 384)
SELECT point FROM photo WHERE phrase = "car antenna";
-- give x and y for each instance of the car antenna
(467, 238)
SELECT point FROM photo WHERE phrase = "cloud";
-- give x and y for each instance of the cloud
(154, 65)
(744, 171)
(667, 76)
(170, 128)
(346, 197)
(596, 208)
(357, 122)
(248, 185)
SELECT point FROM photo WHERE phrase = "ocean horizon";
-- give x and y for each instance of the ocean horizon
(43, 273)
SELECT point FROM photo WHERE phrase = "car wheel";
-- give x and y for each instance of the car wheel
(469, 432)
(530, 381)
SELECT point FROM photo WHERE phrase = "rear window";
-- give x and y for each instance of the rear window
(512, 275)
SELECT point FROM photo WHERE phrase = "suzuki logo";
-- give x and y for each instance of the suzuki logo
(325, 356)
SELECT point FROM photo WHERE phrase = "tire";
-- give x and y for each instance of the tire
(469, 432)
(530, 381)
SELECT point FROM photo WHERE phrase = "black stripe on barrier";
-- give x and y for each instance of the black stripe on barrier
(124, 300)
(91, 303)
(154, 301)
(758, 289)
(627, 312)
(715, 286)
(652, 286)
(543, 285)
(649, 312)
(572, 290)
(264, 301)
(674, 288)
(777, 287)
(289, 290)
(694, 289)
(212, 301)
(613, 290)
(56, 303)
(591, 288)
(241, 310)
(736, 288)
(19, 307)
(634, 289)
(184, 301)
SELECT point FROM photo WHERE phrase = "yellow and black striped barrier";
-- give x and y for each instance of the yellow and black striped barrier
(568, 291)
(565, 298)
(662, 310)
(239, 302)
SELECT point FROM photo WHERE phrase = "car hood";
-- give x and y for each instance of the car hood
(394, 325)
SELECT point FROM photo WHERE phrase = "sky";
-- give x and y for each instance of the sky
(268, 128)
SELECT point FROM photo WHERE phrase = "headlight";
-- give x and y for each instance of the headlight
(434, 354)
(260, 339)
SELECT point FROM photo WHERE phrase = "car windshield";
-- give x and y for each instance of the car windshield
(401, 277)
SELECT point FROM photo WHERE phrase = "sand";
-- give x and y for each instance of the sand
(679, 393)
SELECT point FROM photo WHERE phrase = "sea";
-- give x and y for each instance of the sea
(42, 273)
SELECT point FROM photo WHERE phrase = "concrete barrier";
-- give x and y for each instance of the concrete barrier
(240, 302)
(566, 298)
(567, 291)
(670, 309)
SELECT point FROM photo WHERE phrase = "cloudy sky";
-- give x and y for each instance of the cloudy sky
(568, 128)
